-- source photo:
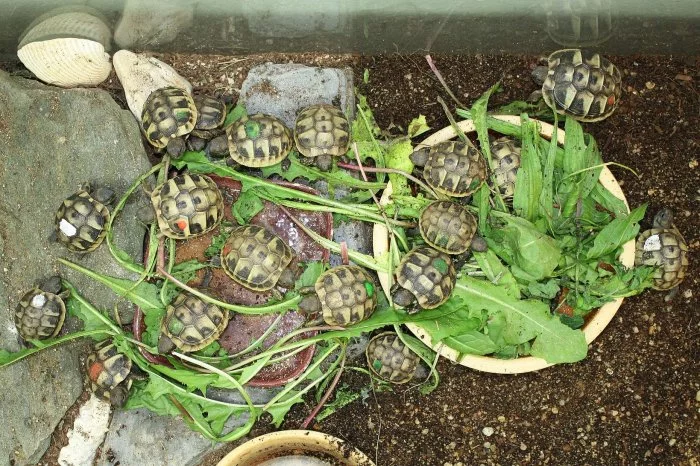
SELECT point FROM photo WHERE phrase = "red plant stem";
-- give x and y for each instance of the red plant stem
(442, 80)
(329, 390)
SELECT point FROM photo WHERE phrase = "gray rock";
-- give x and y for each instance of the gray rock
(52, 140)
(140, 437)
(284, 89)
(357, 235)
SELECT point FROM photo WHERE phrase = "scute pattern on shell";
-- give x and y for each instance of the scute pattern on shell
(254, 257)
(192, 323)
(211, 112)
(347, 295)
(582, 84)
(168, 113)
(454, 168)
(428, 274)
(187, 206)
(81, 221)
(390, 359)
(39, 315)
(506, 153)
(259, 141)
(447, 226)
(322, 130)
(107, 368)
(666, 249)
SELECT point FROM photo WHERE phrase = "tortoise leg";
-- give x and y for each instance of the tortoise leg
(671, 294)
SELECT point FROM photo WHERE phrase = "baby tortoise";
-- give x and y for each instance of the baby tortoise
(211, 114)
(41, 311)
(168, 116)
(344, 295)
(450, 228)
(257, 259)
(426, 276)
(191, 324)
(254, 141)
(109, 373)
(663, 247)
(322, 132)
(82, 219)
(453, 168)
(390, 359)
(580, 84)
(185, 206)
(506, 154)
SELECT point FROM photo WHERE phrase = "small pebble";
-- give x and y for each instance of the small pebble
(487, 431)
(671, 442)
(650, 85)
(523, 447)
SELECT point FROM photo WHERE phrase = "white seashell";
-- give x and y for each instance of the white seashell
(140, 75)
(64, 23)
(67, 62)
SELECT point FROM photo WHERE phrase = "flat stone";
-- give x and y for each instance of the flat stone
(141, 437)
(282, 90)
(52, 141)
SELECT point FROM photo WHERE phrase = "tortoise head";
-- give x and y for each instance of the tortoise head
(402, 297)
(118, 396)
(664, 218)
(165, 344)
(539, 74)
(176, 147)
(288, 277)
(104, 195)
(51, 285)
(419, 157)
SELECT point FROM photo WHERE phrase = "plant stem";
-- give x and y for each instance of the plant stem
(326, 395)
(255, 310)
(19, 355)
(394, 171)
(437, 73)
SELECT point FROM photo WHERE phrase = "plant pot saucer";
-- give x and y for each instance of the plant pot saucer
(596, 321)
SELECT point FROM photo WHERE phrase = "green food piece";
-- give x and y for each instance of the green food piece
(235, 114)
(312, 271)
(528, 189)
(496, 272)
(247, 206)
(616, 233)
(547, 290)
(397, 157)
(217, 242)
(344, 395)
(417, 126)
(369, 288)
(471, 342)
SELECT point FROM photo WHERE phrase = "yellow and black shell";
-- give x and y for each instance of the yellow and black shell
(192, 323)
(258, 141)
(428, 274)
(108, 373)
(254, 257)
(347, 295)
(168, 113)
(81, 222)
(211, 112)
(187, 206)
(582, 84)
(447, 226)
(506, 154)
(454, 168)
(39, 315)
(666, 249)
(390, 359)
(322, 129)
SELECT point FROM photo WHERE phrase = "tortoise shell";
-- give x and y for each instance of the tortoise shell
(211, 112)
(254, 257)
(428, 274)
(81, 222)
(390, 359)
(582, 84)
(107, 368)
(447, 227)
(347, 295)
(258, 141)
(168, 113)
(39, 315)
(192, 323)
(322, 130)
(666, 249)
(506, 153)
(187, 206)
(454, 168)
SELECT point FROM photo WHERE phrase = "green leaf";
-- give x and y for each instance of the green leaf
(344, 395)
(143, 294)
(417, 126)
(616, 233)
(197, 162)
(526, 200)
(398, 158)
(235, 114)
(426, 354)
(310, 274)
(365, 76)
(191, 379)
(217, 242)
(7, 358)
(247, 206)
(498, 273)
(364, 127)
(472, 342)
(547, 290)
(559, 343)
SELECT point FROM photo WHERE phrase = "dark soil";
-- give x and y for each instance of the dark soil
(636, 398)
